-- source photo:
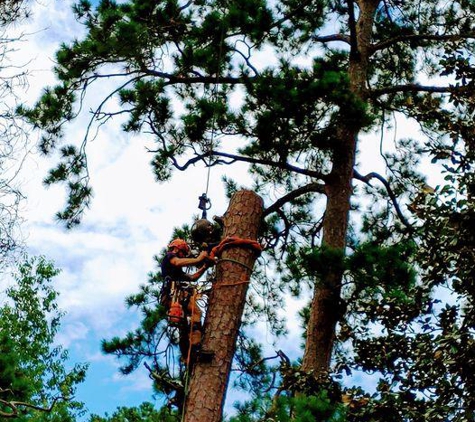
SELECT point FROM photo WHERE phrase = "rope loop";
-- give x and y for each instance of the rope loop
(235, 261)
(234, 242)
(236, 283)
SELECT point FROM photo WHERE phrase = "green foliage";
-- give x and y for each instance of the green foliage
(301, 398)
(32, 369)
(144, 342)
(309, 408)
(298, 409)
(143, 413)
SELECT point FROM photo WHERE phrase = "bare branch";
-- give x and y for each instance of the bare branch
(189, 80)
(233, 158)
(373, 175)
(375, 93)
(15, 405)
(247, 58)
(277, 164)
(311, 187)
(415, 38)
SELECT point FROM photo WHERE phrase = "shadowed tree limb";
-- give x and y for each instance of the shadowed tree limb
(15, 405)
(172, 384)
(419, 37)
(375, 93)
(332, 38)
(311, 187)
(354, 53)
(367, 179)
(233, 158)
(188, 80)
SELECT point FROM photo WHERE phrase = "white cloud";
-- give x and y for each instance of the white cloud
(71, 333)
(98, 271)
(137, 381)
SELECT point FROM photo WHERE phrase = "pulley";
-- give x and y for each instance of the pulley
(204, 205)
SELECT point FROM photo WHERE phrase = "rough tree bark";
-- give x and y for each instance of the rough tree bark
(326, 304)
(209, 381)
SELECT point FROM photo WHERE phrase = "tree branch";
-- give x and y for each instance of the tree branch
(188, 80)
(280, 165)
(419, 38)
(374, 93)
(366, 179)
(311, 187)
(164, 379)
(331, 38)
(14, 405)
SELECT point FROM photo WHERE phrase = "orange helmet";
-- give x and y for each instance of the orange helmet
(179, 244)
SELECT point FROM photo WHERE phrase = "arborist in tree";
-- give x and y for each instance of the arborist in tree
(180, 298)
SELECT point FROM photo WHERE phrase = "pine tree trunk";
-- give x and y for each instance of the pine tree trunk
(209, 381)
(326, 304)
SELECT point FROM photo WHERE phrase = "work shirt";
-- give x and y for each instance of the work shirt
(169, 270)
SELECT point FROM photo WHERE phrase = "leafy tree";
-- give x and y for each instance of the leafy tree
(143, 413)
(35, 384)
(291, 88)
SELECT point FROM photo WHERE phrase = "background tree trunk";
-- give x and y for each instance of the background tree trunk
(209, 381)
(326, 304)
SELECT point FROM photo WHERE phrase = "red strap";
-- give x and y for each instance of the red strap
(232, 242)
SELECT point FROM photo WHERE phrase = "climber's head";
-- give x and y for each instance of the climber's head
(179, 246)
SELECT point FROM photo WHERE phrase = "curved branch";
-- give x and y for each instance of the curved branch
(164, 379)
(367, 179)
(246, 58)
(311, 187)
(191, 161)
(419, 38)
(14, 405)
(97, 111)
(233, 157)
(277, 164)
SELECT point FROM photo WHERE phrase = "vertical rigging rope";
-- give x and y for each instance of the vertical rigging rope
(214, 96)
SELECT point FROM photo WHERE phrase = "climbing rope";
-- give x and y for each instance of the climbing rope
(188, 357)
(236, 283)
(205, 203)
(236, 262)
